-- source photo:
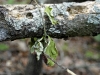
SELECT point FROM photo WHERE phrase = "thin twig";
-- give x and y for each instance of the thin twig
(56, 62)
(66, 69)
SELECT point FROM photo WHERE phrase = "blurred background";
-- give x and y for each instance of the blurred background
(80, 54)
(14, 1)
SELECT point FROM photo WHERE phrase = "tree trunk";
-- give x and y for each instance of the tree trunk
(34, 66)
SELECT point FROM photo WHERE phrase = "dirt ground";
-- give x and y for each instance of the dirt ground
(81, 55)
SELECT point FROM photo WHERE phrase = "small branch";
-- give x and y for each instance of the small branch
(66, 69)
(25, 21)
(60, 70)
(56, 62)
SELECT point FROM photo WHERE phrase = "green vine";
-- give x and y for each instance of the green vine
(46, 44)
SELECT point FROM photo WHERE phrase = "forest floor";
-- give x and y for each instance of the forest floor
(81, 55)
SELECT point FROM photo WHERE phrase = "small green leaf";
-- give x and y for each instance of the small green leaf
(51, 51)
(50, 62)
(48, 12)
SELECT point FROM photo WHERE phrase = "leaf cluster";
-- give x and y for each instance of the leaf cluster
(44, 45)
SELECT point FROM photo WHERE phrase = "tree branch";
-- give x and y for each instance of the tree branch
(74, 19)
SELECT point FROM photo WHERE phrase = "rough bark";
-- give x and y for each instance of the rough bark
(74, 19)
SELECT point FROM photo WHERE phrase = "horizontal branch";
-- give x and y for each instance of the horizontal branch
(73, 19)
